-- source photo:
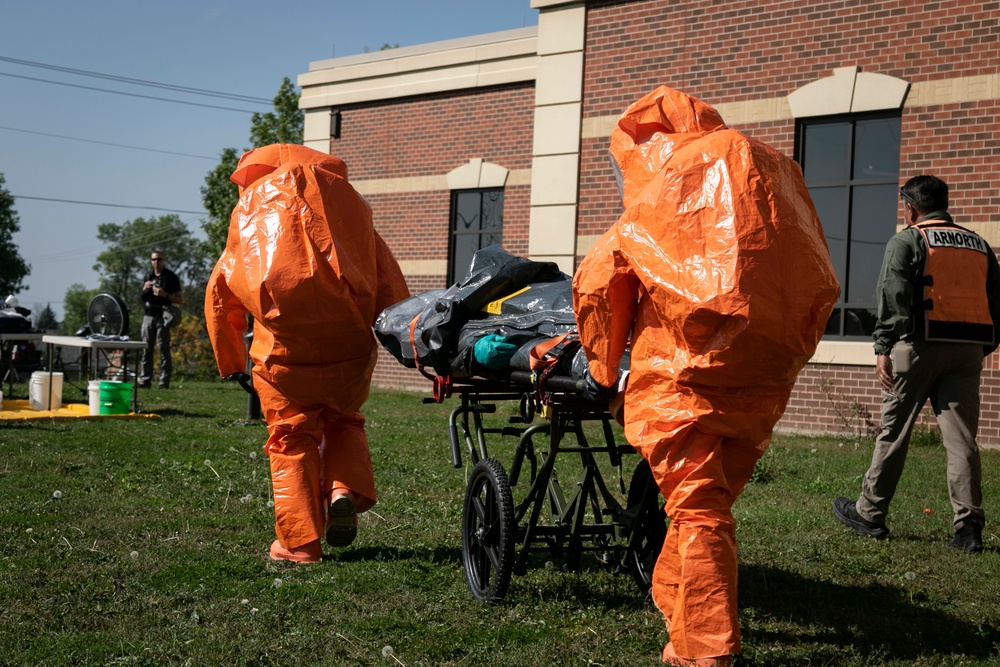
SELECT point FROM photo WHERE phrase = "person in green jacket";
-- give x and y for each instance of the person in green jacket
(938, 315)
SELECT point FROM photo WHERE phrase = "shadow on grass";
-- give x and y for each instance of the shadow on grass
(876, 620)
(393, 554)
(173, 412)
(591, 584)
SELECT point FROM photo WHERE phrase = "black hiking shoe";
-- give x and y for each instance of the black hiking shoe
(968, 538)
(847, 514)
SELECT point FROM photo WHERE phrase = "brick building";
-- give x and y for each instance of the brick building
(504, 137)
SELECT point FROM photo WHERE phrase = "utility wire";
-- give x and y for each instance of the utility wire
(151, 238)
(94, 203)
(107, 143)
(139, 82)
(118, 92)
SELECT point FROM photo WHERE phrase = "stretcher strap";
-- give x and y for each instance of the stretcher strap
(542, 359)
(442, 385)
(546, 354)
(442, 388)
(413, 346)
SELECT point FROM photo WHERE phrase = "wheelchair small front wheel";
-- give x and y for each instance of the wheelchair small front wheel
(488, 532)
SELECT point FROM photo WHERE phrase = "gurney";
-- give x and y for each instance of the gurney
(556, 514)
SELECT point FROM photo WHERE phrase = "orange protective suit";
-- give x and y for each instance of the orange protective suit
(719, 277)
(303, 258)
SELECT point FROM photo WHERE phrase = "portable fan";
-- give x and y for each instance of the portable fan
(107, 315)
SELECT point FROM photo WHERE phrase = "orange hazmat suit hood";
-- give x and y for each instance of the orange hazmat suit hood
(260, 162)
(718, 267)
(676, 118)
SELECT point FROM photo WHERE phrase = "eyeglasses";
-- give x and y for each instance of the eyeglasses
(905, 197)
(156, 259)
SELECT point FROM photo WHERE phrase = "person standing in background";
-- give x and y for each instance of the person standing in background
(161, 289)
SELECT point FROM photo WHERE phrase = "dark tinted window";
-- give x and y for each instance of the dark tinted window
(851, 167)
(476, 222)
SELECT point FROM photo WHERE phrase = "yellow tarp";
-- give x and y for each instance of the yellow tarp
(22, 410)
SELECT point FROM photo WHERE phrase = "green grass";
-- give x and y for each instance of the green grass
(155, 554)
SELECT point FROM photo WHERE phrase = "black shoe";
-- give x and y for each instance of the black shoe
(847, 514)
(164, 385)
(145, 385)
(968, 538)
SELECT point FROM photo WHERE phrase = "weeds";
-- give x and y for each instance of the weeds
(856, 420)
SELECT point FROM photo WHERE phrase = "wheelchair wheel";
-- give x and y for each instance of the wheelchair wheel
(488, 532)
(649, 529)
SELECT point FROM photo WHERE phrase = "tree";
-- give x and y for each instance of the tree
(46, 320)
(13, 269)
(219, 195)
(284, 125)
(75, 304)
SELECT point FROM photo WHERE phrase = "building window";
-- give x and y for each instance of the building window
(851, 167)
(476, 222)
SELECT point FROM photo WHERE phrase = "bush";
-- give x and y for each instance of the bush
(192, 350)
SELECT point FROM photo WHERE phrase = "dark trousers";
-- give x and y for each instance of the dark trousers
(156, 336)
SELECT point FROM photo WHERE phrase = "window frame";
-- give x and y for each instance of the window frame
(851, 183)
(453, 233)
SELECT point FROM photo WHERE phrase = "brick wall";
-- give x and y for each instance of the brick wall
(431, 135)
(730, 51)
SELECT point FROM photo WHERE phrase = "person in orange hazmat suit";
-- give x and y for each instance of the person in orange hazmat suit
(719, 277)
(303, 258)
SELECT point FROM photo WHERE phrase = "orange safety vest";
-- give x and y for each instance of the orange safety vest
(955, 305)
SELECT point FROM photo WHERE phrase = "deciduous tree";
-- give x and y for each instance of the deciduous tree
(219, 195)
(75, 304)
(13, 268)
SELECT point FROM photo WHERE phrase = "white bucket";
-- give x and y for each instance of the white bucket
(94, 396)
(38, 390)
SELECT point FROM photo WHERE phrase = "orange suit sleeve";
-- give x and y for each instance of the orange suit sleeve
(605, 300)
(226, 320)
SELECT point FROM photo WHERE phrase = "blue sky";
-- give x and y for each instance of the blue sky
(164, 150)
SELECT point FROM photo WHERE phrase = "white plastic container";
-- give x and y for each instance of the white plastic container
(94, 396)
(38, 390)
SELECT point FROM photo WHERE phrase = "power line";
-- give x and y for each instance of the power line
(118, 92)
(139, 82)
(80, 252)
(93, 203)
(107, 143)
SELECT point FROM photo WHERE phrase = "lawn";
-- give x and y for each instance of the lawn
(144, 543)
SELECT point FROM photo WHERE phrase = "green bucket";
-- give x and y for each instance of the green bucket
(115, 398)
